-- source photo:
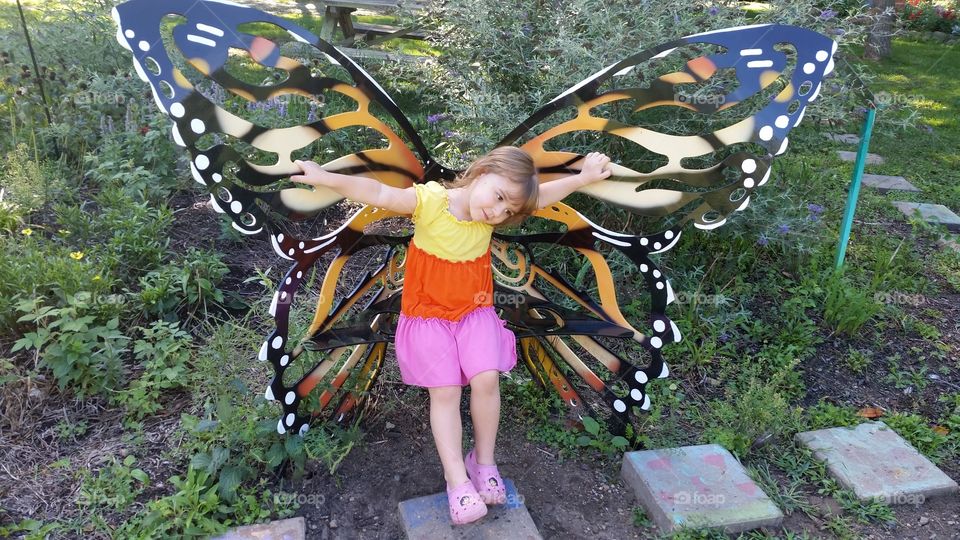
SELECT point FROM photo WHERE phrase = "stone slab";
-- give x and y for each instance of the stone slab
(845, 138)
(428, 518)
(934, 214)
(873, 461)
(697, 487)
(286, 529)
(872, 159)
(883, 183)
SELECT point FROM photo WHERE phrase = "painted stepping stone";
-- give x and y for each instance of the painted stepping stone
(286, 529)
(872, 159)
(846, 138)
(698, 486)
(428, 518)
(883, 183)
(934, 214)
(873, 461)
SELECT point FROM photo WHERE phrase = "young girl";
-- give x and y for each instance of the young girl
(448, 334)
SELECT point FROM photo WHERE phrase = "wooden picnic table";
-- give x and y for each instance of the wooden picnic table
(339, 13)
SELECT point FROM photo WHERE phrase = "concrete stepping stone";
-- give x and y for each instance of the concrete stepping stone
(845, 138)
(872, 159)
(428, 518)
(286, 529)
(934, 214)
(698, 486)
(873, 461)
(883, 183)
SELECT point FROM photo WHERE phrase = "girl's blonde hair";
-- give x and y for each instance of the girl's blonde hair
(516, 166)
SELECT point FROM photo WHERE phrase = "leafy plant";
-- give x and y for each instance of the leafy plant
(601, 439)
(81, 351)
(847, 307)
(115, 486)
(164, 352)
(190, 284)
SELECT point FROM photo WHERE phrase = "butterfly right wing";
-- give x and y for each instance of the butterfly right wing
(673, 192)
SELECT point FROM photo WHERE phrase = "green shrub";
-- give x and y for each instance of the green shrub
(190, 284)
(164, 353)
(931, 16)
(82, 351)
(36, 268)
(128, 237)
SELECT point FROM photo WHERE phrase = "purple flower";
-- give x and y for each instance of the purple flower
(763, 240)
(928, 129)
(814, 208)
(827, 14)
(434, 118)
(282, 109)
(839, 31)
(713, 11)
(724, 337)
(814, 218)
(783, 229)
(448, 133)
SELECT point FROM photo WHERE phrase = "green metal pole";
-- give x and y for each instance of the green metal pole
(855, 185)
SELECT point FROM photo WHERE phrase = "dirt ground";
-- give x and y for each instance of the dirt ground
(566, 498)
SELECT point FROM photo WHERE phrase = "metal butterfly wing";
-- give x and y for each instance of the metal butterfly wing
(776, 71)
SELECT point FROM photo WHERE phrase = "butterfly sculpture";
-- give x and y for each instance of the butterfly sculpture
(329, 366)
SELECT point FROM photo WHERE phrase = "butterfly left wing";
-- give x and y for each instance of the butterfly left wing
(253, 193)
(220, 136)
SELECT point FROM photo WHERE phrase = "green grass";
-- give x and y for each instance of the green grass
(922, 76)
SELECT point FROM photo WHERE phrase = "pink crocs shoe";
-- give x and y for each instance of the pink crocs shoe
(486, 479)
(466, 506)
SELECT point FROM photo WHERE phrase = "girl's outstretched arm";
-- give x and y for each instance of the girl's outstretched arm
(596, 167)
(358, 188)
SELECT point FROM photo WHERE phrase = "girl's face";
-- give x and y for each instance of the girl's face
(493, 199)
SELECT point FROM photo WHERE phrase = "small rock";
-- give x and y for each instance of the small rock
(352, 499)
(923, 520)
(396, 478)
(390, 425)
(333, 524)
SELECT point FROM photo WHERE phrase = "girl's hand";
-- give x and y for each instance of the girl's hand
(596, 167)
(313, 174)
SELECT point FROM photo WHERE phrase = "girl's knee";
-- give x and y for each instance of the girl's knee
(486, 381)
(445, 394)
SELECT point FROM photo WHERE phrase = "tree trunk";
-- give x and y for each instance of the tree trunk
(880, 37)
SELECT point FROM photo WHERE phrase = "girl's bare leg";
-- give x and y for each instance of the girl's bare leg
(485, 411)
(447, 430)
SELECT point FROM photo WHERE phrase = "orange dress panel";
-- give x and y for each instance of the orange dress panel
(437, 287)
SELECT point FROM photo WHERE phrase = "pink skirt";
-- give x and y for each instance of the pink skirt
(439, 352)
